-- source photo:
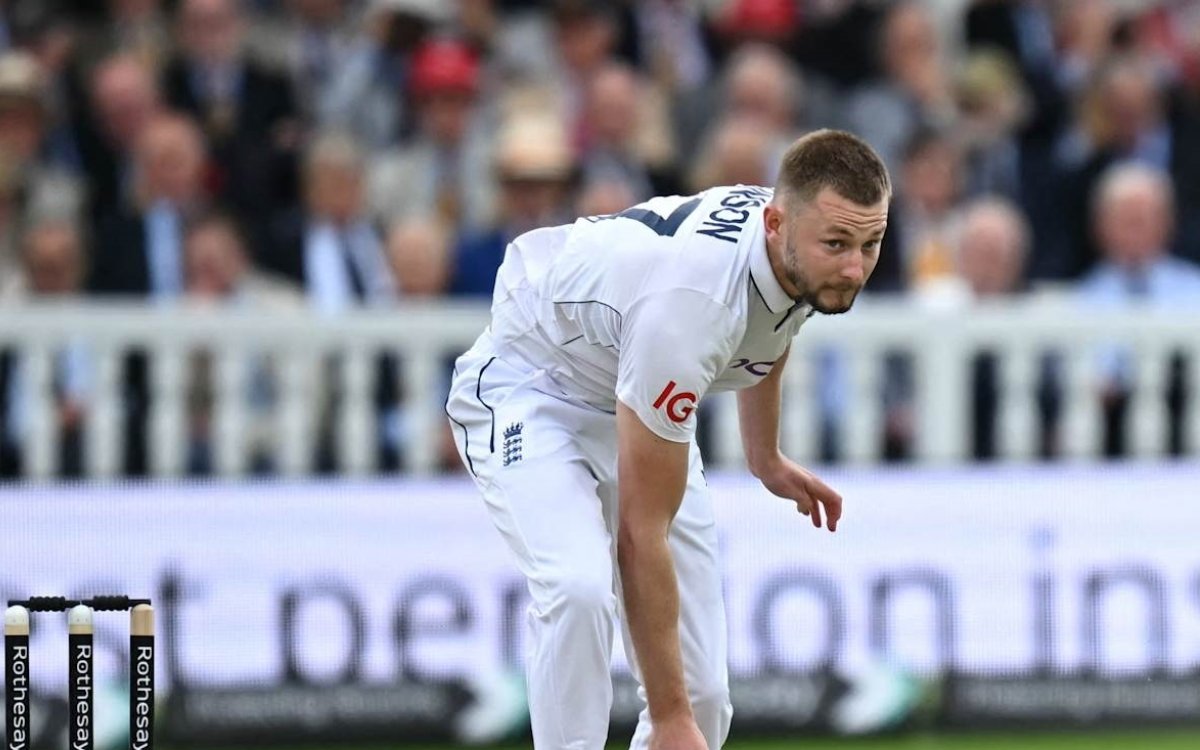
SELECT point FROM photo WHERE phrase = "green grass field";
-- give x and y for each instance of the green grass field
(1122, 740)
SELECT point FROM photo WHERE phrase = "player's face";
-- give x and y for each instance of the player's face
(831, 246)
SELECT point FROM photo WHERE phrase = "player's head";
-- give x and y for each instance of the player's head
(826, 221)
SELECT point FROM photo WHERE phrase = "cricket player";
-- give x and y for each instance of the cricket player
(575, 412)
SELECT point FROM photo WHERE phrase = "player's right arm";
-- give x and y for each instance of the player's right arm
(672, 347)
(653, 475)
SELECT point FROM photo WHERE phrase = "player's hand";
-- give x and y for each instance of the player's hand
(787, 479)
(677, 734)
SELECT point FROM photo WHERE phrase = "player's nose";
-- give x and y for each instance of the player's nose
(852, 269)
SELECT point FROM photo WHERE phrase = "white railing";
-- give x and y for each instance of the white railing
(940, 343)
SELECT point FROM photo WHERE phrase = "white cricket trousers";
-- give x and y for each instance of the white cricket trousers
(547, 469)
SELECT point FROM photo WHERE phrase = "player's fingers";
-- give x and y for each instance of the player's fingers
(822, 491)
(833, 511)
(825, 495)
(816, 513)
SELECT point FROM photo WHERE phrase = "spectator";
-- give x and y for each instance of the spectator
(760, 83)
(335, 253)
(141, 28)
(585, 35)
(602, 197)
(583, 38)
(1123, 116)
(139, 248)
(419, 255)
(1134, 215)
(667, 40)
(444, 172)
(738, 153)
(43, 185)
(217, 269)
(775, 22)
(331, 247)
(838, 40)
(626, 137)
(23, 112)
(52, 255)
(994, 107)
(924, 218)
(137, 28)
(536, 170)
(247, 112)
(48, 37)
(918, 257)
(763, 84)
(1167, 32)
(1024, 30)
(993, 244)
(1086, 30)
(913, 90)
(315, 42)
(218, 273)
(367, 97)
(124, 98)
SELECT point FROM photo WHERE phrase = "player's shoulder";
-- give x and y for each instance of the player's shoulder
(678, 241)
(715, 250)
(719, 213)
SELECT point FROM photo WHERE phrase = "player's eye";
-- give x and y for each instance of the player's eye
(871, 246)
(834, 244)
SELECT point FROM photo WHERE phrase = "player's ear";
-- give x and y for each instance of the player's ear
(772, 218)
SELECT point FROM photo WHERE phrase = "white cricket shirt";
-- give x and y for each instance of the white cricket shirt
(656, 306)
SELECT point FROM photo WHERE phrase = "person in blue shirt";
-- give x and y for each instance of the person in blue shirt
(1134, 216)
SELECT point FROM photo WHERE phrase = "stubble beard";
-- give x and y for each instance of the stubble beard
(810, 295)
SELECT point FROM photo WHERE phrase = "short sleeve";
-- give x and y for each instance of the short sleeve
(674, 344)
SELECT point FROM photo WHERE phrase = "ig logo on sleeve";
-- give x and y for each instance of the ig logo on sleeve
(679, 406)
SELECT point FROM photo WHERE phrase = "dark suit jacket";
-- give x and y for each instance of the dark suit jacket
(1072, 249)
(118, 257)
(119, 267)
(993, 24)
(253, 175)
(281, 246)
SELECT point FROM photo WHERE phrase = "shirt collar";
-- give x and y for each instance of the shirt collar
(763, 276)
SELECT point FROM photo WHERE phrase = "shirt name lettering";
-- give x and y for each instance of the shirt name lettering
(726, 222)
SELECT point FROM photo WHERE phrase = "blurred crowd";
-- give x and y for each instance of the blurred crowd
(333, 153)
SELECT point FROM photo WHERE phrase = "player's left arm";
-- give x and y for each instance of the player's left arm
(758, 416)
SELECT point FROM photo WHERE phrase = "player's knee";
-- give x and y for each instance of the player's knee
(586, 594)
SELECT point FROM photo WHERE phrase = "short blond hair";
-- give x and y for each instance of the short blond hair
(837, 160)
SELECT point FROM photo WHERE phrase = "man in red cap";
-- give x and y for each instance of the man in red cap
(760, 20)
(444, 172)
